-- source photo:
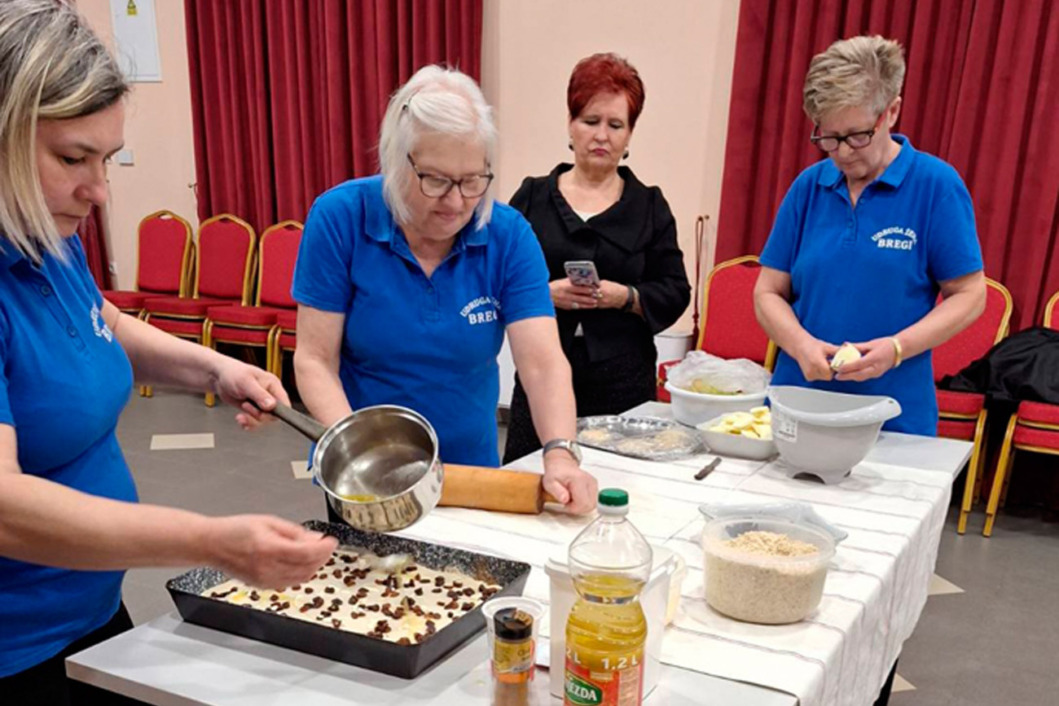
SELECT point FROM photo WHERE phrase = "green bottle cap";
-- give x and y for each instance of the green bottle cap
(613, 497)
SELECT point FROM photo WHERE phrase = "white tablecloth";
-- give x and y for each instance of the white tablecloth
(876, 586)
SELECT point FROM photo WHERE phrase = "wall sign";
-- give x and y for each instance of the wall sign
(136, 39)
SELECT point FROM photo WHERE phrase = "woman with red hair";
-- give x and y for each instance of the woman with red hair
(598, 211)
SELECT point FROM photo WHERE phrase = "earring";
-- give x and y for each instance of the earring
(626, 155)
(570, 145)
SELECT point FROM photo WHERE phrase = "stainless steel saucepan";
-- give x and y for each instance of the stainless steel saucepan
(379, 466)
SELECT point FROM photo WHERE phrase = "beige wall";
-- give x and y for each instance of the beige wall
(158, 131)
(684, 51)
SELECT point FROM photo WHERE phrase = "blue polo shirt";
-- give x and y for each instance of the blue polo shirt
(64, 380)
(873, 270)
(428, 343)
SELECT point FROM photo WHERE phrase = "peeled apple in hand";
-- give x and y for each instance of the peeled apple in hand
(846, 354)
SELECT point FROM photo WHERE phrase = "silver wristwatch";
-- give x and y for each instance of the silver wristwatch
(572, 447)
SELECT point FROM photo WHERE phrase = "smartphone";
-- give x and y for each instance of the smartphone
(582, 272)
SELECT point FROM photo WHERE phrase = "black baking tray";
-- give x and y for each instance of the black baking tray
(406, 661)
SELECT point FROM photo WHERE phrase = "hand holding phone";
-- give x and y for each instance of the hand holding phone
(582, 273)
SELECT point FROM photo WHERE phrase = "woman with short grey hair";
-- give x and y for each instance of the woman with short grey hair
(864, 242)
(402, 299)
(70, 520)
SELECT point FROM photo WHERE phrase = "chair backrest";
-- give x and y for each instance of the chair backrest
(225, 258)
(163, 265)
(1050, 318)
(729, 325)
(277, 254)
(973, 342)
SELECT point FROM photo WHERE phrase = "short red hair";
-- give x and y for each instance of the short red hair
(604, 73)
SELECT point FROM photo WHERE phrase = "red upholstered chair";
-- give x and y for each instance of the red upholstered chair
(163, 264)
(1033, 427)
(224, 275)
(962, 415)
(253, 325)
(729, 325)
(284, 338)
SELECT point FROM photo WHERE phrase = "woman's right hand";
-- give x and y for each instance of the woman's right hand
(267, 552)
(814, 358)
(567, 295)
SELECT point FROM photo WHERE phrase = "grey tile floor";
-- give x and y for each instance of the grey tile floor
(995, 643)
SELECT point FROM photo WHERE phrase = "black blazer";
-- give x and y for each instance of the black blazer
(632, 242)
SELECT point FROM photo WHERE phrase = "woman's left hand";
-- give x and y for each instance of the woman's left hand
(877, 356)
(236, 382)
(612, 295)
(569, 484)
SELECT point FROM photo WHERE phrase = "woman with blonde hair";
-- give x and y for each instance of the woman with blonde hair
(70, 523)
(407, 281)
(864, 242)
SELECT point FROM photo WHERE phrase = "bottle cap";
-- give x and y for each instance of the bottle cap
(613, 497)
(513, 624)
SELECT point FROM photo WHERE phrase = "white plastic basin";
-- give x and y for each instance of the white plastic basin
(694, 408)
(826, 434)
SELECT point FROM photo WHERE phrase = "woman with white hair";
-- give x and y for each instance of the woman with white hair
(864, 242)
(407, 281)
(70, 522)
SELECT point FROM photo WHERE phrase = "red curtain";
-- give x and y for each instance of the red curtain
(287, 95)
(94, 242)
(981, 92)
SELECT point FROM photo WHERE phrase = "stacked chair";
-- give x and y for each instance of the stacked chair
(962, 415)
(256, 325)
(223, 275)
(1033, 427)
(163, 265)
(729, 325)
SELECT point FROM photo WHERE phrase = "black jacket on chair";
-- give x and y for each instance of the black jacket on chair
(1024, 367)
(632, 242)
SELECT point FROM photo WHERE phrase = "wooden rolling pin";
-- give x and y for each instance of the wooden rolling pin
(493, 489)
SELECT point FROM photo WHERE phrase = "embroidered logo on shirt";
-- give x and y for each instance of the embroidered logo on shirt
(481, 317)
(100, 326)
(895, 238)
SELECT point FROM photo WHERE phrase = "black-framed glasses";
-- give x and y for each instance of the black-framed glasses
(436, 186)
(856, 140)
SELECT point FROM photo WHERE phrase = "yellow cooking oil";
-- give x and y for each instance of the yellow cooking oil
(605, 637)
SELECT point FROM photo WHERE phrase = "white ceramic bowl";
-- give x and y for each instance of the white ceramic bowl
(694, 408)
(736, 445)
(826, 434)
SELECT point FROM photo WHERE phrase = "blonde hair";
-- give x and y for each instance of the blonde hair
(52, 67)
(435, 99)
(856, 72)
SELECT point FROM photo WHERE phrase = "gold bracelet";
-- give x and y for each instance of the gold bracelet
(898, 351)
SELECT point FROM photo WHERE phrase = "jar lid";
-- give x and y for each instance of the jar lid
(513, 624)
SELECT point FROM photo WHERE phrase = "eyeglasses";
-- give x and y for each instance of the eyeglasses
(436, 186)
(856, 140)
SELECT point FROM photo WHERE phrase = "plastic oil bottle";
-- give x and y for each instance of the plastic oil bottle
(610, 562)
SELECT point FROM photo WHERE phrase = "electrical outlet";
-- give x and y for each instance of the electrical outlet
(124, 157)
(113, 267)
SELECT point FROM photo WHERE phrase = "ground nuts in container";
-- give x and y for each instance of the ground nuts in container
(763, 570)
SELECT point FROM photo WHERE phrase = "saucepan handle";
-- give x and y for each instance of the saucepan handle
(308, 426)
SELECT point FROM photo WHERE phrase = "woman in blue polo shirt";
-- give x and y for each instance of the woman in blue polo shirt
(407, 281)
(69, 519)
(864, 241)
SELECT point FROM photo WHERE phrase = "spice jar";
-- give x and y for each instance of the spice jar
(513, 646)
(512, 623)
